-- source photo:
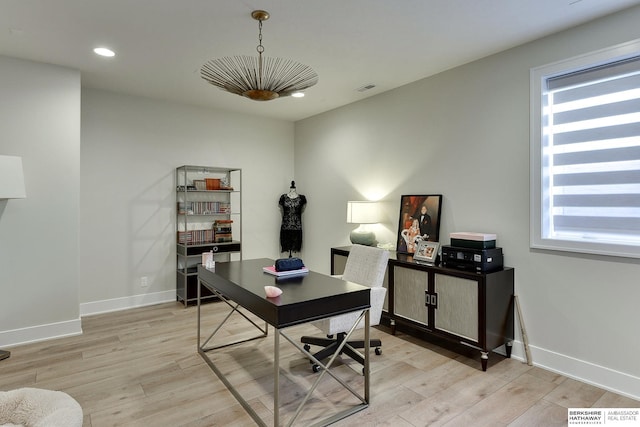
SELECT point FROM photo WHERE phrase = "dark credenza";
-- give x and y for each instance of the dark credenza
(475, 309)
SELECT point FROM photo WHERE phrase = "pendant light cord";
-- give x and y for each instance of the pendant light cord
(260, 49)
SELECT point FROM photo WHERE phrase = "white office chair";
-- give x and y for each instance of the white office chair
(365, 266)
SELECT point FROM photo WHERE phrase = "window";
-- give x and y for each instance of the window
(585, 153)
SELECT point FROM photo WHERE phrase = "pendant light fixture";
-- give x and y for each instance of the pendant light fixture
(258, 78)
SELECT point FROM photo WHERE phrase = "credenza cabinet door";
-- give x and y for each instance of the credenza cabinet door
(410, 286)
(457, 307)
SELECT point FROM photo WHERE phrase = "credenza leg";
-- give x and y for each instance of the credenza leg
(508, 347)
(484, 358)
(392, 323)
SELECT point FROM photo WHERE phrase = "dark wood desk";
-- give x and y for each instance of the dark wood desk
(304, 299)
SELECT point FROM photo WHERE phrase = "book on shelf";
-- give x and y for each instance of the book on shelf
(272, 270)
(222, 230)
(184, 237)
(222, 237)
(195, 237)
(203, 208)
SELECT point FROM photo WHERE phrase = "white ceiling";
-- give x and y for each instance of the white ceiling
(161, 44)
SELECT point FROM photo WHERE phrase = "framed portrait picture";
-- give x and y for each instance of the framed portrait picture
(419, 221)
(426, 251)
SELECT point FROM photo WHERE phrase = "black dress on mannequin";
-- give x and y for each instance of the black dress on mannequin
(292, 205)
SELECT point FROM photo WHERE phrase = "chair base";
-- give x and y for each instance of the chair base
(331, 345)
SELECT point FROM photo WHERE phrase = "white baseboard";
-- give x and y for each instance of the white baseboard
(74, 327)
(124, 303)
(587, 372)
(40, 333)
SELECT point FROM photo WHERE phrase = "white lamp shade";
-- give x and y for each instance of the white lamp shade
(11, 178)
(363, 212)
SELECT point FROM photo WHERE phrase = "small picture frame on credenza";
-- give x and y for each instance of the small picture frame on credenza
(426, 251)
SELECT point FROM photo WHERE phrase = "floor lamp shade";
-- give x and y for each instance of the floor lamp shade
(363, 213)
(11, 178)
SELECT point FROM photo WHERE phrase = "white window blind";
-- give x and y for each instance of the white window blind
(588, 196)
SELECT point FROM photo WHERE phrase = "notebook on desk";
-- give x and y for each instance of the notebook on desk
(272, 270)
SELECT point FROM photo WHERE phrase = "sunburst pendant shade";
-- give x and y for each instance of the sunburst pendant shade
(258, 78)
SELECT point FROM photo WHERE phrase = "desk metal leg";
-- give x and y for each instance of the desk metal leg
(202, 350)
(234, 309)
(325, 370)
(276, 378)
(198, 292)
(367, 345)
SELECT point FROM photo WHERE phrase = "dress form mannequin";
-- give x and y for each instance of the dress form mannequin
(292, 205)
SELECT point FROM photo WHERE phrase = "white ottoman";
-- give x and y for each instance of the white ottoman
(34, 407)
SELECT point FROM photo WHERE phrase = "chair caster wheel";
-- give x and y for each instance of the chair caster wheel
(307, 347)
(378, 351)
(316, 368)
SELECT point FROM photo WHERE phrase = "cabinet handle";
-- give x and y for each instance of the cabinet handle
(427, 298)
(434, 300)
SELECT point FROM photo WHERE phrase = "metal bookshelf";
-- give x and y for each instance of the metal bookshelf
(206, 196)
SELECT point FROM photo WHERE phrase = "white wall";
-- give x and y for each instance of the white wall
(465, 134)
(130, 149)
(40, 121)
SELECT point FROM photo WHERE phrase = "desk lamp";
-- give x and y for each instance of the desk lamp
(363, 213)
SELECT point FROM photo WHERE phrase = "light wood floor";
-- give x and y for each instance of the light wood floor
(140, 367)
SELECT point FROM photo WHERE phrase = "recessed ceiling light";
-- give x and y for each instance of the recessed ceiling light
(103, 51)
(298, 94)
